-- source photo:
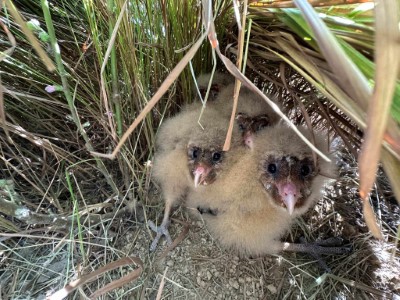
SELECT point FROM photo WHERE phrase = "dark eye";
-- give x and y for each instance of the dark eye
(262, 125)
(216, 156)
(261, 122)
(242, 121)
(195, 153)
(272, 168)
(305, 170)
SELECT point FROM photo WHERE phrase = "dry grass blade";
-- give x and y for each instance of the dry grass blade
(122, 281)
(122, 53)
(103, 67)
(303, 109)
(352, 80)
(43, 142)
(2, 113)
(392, 169)
(387, 62)
(237, 82)
(32, 39)
(5, 53)
(11, 38)
(356, 284)
(349, 75)
(314, 3)
(6, 225)
(161, 91)
(162, 284)
(235, 72)
(329, 88)
(238, 74)
(370, 219)
(64, 292)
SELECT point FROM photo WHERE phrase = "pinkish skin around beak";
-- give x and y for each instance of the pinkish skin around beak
(248, 139)
(198, 172)
(290, 194)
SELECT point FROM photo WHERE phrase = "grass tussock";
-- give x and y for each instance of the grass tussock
(66, 213)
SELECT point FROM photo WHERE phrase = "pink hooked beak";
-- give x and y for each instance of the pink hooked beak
(200, 173)
(290, 194)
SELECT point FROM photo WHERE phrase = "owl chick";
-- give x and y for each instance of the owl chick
(188, 156)
(255, 202)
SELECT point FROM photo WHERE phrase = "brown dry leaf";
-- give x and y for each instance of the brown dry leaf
(387, 61)
(70, 287)
(123, 280)
(370, 219)
(241, 32)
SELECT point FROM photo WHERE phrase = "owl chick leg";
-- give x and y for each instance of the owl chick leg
(316, 249)
(162, 229)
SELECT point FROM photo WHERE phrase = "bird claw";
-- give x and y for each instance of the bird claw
(328, 246)
(160, 231)
(330, 242)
